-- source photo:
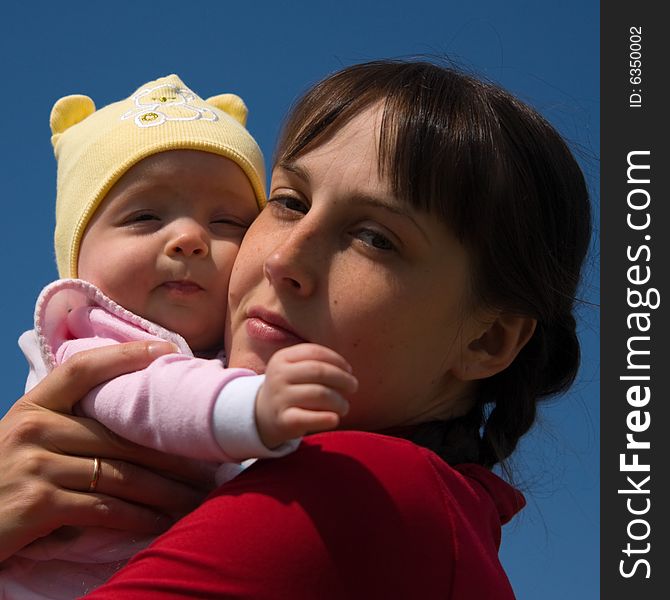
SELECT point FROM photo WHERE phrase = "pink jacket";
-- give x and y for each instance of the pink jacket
(192, 407)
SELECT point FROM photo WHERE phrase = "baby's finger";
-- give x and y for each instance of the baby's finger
(323, 373)
(302, 352)
(314, 397)
(302, 422)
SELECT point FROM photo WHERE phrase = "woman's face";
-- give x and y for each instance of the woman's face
(335, 259)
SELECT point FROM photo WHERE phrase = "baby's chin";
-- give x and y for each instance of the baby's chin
(204, 345)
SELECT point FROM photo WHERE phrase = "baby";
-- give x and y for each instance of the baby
(155, 193)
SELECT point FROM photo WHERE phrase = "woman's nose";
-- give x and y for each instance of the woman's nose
(188, 239)
(292, 266)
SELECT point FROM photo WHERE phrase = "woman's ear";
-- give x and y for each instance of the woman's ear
(495, 349)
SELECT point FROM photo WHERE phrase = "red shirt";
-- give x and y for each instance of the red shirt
(348, 515)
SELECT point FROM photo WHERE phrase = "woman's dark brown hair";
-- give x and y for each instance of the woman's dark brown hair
(508, 187)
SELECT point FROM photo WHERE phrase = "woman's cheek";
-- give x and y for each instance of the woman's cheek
(247, 268)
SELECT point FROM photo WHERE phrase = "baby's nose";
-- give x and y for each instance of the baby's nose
(188, 240)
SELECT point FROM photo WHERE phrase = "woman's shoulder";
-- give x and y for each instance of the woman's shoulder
(396, 495)
(347, 515)
(388, 508)
(404, 467)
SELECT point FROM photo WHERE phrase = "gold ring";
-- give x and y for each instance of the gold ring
(96, 475)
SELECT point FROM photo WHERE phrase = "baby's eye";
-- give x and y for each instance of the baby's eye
(141, 217)
(145, 217)
(228, 227)
(376, 240)
(229, 221)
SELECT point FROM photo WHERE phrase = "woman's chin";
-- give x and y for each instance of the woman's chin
(248, 359)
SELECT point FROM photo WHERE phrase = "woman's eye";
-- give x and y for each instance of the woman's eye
(289, 203)
(375, 239)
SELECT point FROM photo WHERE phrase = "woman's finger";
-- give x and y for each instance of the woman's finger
(31, 426)
(42, 491)
(96, 510)
(83, 509)
(71, 381)
(95, 440)
(128, 482)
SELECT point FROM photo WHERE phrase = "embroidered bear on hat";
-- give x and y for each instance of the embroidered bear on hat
(166, 102)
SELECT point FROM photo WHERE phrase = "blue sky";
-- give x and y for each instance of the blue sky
(546, 52)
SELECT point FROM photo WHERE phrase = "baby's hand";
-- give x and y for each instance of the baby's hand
(302, 393)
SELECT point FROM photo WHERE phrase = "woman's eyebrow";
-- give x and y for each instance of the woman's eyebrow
(377, 202)
(296, 169)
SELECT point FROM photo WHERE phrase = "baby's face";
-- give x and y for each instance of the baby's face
(163, 242)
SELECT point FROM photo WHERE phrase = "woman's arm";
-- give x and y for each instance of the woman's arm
(46, 459)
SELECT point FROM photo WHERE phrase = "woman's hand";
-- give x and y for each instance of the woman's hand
(47, 459)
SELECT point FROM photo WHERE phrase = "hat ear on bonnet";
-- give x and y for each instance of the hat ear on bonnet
(232, 105)
(69, 111)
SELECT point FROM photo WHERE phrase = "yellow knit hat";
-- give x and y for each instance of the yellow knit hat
(95, 148)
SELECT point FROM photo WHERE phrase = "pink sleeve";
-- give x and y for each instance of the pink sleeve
(167, 406)
(72, 347)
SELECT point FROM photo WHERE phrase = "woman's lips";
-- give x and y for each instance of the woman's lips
(270, 327)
